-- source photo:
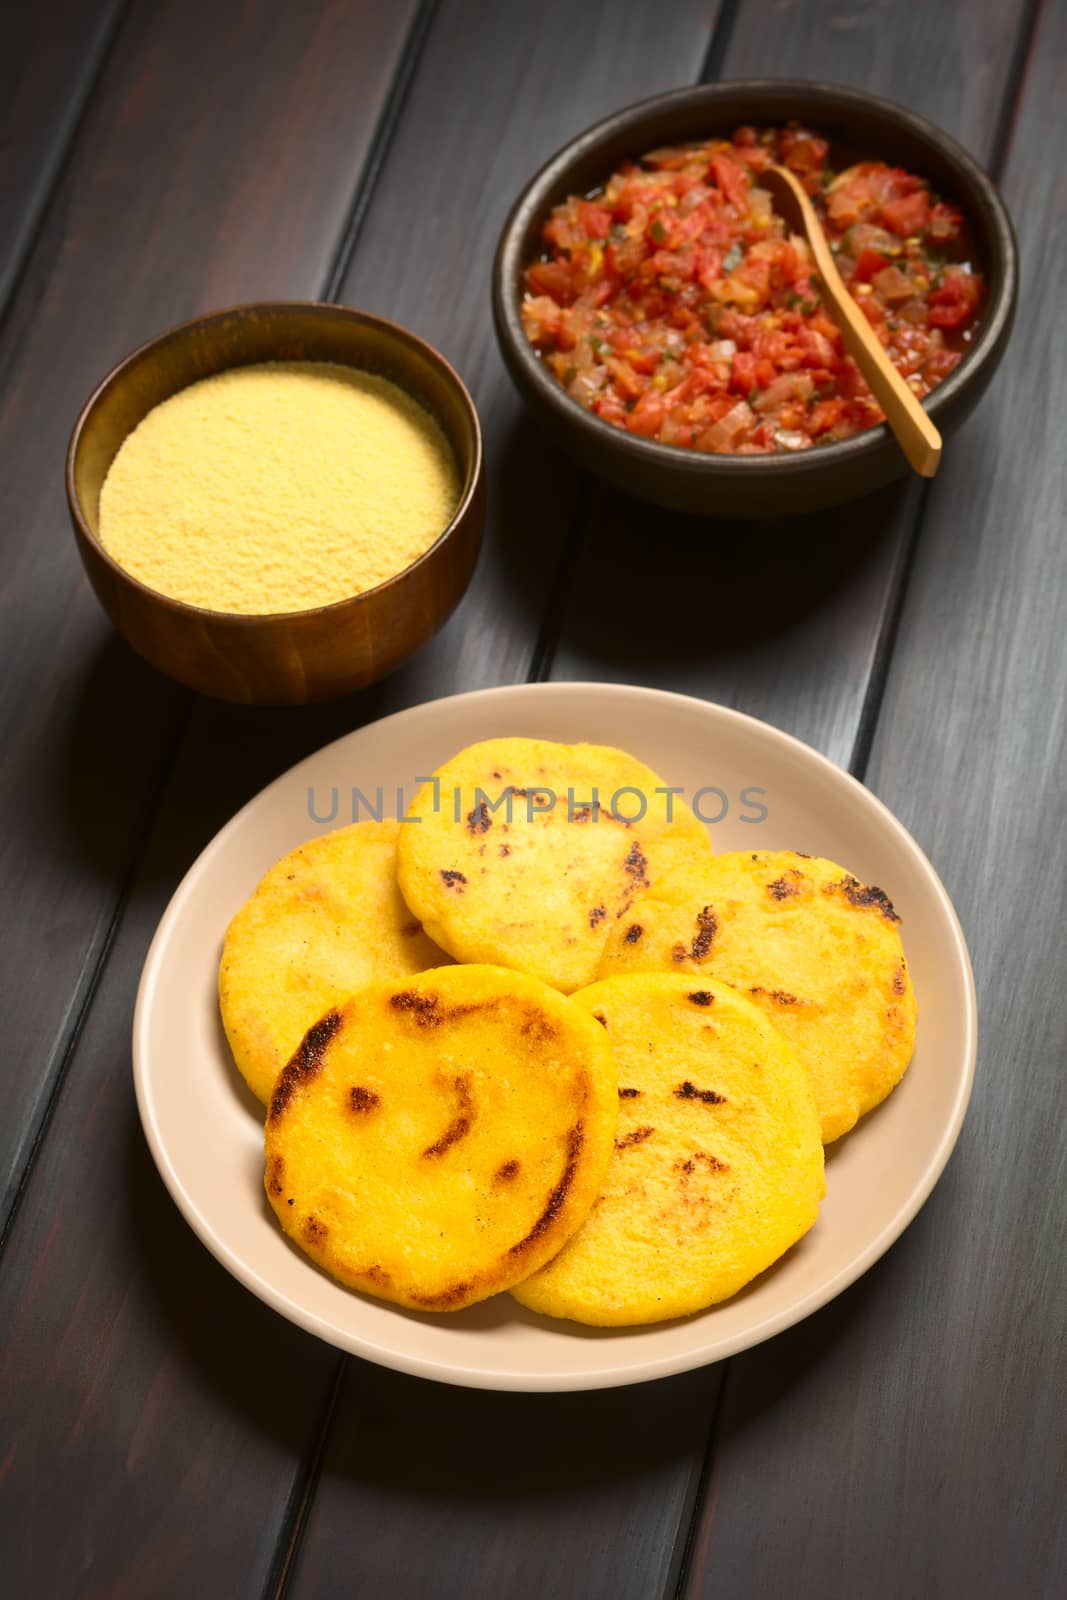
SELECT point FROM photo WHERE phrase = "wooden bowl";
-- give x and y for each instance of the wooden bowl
(759, 485)
(289, 657)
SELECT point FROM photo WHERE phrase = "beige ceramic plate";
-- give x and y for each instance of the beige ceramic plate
(205, 1134)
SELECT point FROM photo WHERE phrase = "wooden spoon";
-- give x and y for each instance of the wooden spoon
(914, 432)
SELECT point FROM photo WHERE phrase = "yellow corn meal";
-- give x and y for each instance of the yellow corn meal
(278, 487)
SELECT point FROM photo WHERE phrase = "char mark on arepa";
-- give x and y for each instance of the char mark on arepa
(554, 1204)
(306, 1062)
(709, 1097)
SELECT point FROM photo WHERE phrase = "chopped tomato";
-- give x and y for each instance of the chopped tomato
(743, 372)
(541, 317)
(596, 220)
(732, 180)
(674, 303)
(801, 151)
(647, 415)
(551, 278)
(892, 284)
(955, 301)
(628, 383)
(910, 214)
(868, 262)
(945, 224)
(645, 361)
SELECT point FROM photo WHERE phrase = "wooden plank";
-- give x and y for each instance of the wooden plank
(926, 1403)
(429, 1490)
(786, 621)
(49, 60)
(946, 62)
(158, 1414)
(216, 163)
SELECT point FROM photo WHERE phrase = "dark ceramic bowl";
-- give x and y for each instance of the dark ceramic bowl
(753, 486)
(294, 656)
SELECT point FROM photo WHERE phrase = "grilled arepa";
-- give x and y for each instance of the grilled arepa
(718, 1165)
(435, 1139)
(815, 949)
(526, 852)
(324, 921)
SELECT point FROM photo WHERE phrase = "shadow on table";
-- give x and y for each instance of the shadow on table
(404, 1457)
(805, 1383)
(96, 765)
(426, 1439)
(136, 749)
(277, 1377)
(459, 1470)
(129, 737)
(658, 591)
(197, 1317)
(537, 497)
(612, 1434)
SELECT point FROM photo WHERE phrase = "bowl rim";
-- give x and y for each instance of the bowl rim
(329, 309)
(652, 452)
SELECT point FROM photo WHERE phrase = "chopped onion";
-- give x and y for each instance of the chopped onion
(726, 430)
(865, 236)
(892, 284)
(722, 350)
(911, 311)
(790, 386)
(692, 198)
(842, 177)
(821, 347)
(587, 385)
(786, 439)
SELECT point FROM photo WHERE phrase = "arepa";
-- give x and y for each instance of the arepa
(718, 1165)
(524, 853)
(325, 920)
(437, 1138)
(817, 950)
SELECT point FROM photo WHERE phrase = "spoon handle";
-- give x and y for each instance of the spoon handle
(915, 433)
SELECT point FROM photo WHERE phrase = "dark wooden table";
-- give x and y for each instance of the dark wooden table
(167, 1435)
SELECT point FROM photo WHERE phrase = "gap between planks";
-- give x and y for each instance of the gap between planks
(887, 635)
(56, 165)
(548, 637)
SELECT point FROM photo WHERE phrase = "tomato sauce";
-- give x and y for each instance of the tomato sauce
(673, 301)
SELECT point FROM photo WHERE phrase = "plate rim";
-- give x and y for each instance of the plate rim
(592, 1378)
